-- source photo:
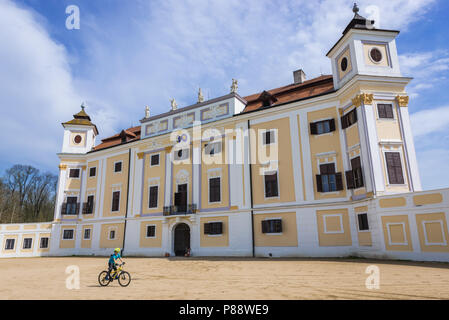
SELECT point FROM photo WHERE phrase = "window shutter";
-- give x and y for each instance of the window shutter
(216, 228)
(265, 226)
(85, 207)
(64, 208)
(313, 128)
(350, 180)
(278, 226)
(345, 121)
(339, 181)
(319, 184)
(207, 228)
(332, 125)
(77, 208)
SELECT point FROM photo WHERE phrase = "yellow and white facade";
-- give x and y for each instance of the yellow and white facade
(337, 187)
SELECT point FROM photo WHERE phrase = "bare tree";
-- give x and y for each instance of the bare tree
(26, 195)
(19, 179)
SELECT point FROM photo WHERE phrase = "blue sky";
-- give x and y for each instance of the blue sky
(129, 54)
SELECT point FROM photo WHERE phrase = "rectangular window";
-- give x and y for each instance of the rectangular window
(118, 166)
(385, 111)
(71, 206)
(363, 221)
(322, 127)
(155, 160)
(90, 204)
(349, 119)
(328, 180)
(44, 243)
(212, 148)
(116, 201)
(151, 231)
(111, 234)
(74, 173)
(10, 244)
(272, 226)
(268, 137)
(213, 228)
(354, 177)
(153, 196)
(214, 189)
(67, 234)
(271, 185)
(93, 172)
(86, 234)
(27, 242)
(394, 167)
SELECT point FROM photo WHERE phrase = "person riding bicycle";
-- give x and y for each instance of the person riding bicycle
(112, 263)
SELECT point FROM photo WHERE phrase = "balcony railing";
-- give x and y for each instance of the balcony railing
(72, 208)
(180, 210)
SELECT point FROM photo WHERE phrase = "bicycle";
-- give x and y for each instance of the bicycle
(123, 277)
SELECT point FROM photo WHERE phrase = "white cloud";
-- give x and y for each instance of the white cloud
(430, 121)
(428, 69)
(35, 88)
(149, 51)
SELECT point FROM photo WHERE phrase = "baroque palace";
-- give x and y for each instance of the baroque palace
(318, 168)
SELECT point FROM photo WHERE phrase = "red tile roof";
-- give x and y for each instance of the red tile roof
(308, 89)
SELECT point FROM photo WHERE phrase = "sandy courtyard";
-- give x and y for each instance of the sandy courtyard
(223, 278)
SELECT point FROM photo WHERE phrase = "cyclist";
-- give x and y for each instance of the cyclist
(112, 263)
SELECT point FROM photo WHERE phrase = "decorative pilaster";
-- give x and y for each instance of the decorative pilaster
(402, 101)
(365, 98)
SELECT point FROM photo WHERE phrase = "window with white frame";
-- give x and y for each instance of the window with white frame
(68, 234)
(362, 219)
(27, 243)
(151, 231)
(118, 166)
(154, 160)
(74, 173)
(92, 172)
(213, 228)
(214, 189)
(87, 232)
(112, 234)
(394, 167)
(9, 245)
(153, 196)
(271, 184)
(272, 226)
(268, 137)
(44, 243)
(115, 201)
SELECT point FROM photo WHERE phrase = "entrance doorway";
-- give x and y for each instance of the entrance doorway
(182, 239)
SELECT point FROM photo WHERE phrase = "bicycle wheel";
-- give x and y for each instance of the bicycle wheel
(103, 279)
(124, 279)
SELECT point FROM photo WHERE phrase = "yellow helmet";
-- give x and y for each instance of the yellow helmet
(117, 250)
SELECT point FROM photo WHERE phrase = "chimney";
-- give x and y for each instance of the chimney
(299, 76)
